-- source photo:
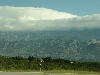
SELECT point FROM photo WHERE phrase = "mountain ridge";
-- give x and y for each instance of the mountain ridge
(77, 45)
(82, 34)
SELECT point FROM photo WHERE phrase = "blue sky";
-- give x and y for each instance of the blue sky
(33, 15)
(77, 7)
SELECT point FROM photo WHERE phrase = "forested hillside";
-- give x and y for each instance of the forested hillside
(47, 63)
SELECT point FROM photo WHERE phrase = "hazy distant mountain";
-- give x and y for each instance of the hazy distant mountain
(58, 47)
(82, 45)
(82, 34)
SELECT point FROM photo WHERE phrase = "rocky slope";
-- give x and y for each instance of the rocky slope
(59, 47)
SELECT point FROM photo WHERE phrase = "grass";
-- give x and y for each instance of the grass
(71, 71)
(55, 71)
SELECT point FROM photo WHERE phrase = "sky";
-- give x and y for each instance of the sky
(34, 15)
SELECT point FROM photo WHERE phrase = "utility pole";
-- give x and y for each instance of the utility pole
(40, 68)
(41, 64)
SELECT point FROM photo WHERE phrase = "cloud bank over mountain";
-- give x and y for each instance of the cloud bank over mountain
(34, 19)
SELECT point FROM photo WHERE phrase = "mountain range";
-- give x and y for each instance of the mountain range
(77, 45)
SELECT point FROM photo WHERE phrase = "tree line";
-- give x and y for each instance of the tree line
(47, 63)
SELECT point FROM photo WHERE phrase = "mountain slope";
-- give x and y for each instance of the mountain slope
(61, 47)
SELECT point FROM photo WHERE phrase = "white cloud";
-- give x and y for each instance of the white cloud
(30, 18)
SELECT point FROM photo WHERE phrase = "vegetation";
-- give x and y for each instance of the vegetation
(47, 64)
